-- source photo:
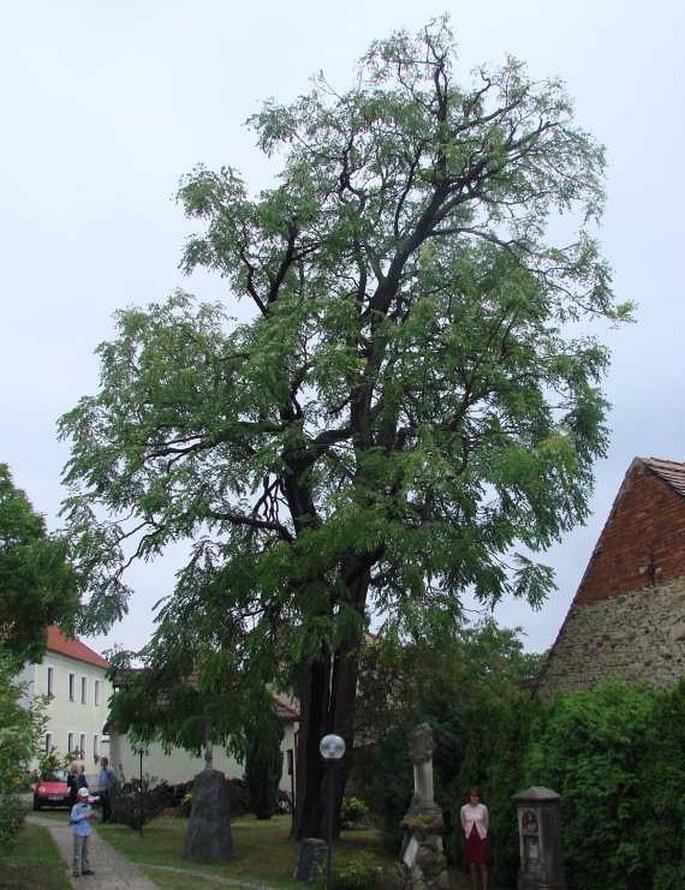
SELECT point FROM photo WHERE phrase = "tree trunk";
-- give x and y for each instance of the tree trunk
(327, 704)
(313, 695)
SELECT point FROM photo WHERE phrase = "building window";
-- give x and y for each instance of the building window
(72, 685)
(96, 692)
(70, 743)
(82, 745)
(51, 682)
(48, 742)
(96, 746)
(84, 687)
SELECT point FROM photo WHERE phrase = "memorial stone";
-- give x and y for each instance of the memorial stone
(422, 865)
(540, 840)
(312, 862)
(209, 829)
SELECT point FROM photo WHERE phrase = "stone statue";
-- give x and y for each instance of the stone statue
(422, 865)
(421, 749)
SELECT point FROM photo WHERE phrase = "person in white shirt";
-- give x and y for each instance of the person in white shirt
(474, 821)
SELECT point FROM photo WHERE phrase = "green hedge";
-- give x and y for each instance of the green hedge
(615, 754)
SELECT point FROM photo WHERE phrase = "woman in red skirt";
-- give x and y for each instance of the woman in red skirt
(474, 821)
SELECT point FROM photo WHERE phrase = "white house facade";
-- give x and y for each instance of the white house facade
(177, 765)
(72, 678)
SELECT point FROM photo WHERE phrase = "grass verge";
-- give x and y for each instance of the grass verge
(34, 863)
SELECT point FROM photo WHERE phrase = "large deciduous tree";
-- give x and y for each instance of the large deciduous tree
(414, 392)
(37, 586)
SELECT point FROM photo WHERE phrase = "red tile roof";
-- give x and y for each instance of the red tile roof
(672, 472)
(57, 642)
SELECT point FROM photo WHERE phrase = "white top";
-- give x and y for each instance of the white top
(474, 815)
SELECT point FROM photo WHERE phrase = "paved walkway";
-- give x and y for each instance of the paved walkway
(112, 871)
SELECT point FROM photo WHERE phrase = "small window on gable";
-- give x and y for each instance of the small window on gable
(84, 690)
(72, 686)
(51, 682)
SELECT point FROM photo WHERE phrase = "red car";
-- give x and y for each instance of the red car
(51, 790)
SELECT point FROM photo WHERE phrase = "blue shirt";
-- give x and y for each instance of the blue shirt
(81, 825)
(106, 778)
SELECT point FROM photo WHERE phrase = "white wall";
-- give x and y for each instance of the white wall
(78, 717)
(182, 766)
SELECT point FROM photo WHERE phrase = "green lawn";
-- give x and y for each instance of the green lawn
(263, 852)
(34, 863)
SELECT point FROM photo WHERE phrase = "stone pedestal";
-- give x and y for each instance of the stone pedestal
(540, 840)
(423, 865)
(209, 830)
(311, 865)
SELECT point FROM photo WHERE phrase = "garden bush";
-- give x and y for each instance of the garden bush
(264, 763)
(20, 728)
(661, 835)
(358, 872)
(592, 752)
(472, 691)
(353, 810)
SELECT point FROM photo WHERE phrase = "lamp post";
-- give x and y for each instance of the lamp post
(140, 750)
(332, 750)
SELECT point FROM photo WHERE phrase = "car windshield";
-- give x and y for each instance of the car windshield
(55, 775)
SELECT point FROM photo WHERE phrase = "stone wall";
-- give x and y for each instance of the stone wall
(637, 636)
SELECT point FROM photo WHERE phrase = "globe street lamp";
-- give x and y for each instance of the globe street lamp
(332, 750)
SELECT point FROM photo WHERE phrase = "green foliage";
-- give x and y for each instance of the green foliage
(48, 761)
(662, 836)
(405, 403)
(264, 762)
(616, 755)
(472, 692)
(592, 752)
(357, 872)
(20, 728)
(38, 586)
(353, 810)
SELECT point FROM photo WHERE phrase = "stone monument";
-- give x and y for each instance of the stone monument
(423, 865)
(542, 857)
(209, 829)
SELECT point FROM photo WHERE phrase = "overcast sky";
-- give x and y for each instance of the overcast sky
(105, 105)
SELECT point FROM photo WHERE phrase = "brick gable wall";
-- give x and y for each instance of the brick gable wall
(627, 620)
(643, 541)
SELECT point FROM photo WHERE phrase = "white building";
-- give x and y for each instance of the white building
(177, 765)
(72, 677)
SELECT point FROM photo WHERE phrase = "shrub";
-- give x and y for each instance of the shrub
(239, 796)
(661, 836)
(19, 731)
(591, 752)
(126, 800)
(358, 872)
(470, 690)
(353, 810)
(264, 763)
